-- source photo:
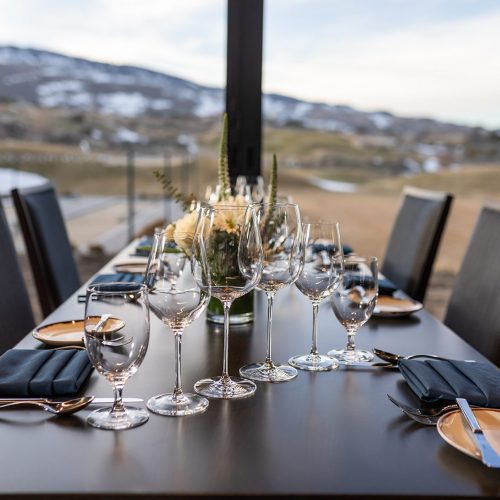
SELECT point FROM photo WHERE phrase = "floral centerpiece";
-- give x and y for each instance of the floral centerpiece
(227, 223)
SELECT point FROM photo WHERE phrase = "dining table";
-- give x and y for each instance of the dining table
(332, 433)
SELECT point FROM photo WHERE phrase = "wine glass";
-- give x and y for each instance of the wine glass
(227, 253)
(177, 304)
(353, 303)
(116, 335)
(321, 274)
(282, 244)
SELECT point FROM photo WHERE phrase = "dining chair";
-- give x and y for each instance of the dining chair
(47, 244)
(16, 315)
(473, 310)
(415, 238)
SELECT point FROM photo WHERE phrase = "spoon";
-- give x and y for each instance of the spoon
(56, 407)
(394, 358)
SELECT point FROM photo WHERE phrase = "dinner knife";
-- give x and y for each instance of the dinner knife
(489, 456)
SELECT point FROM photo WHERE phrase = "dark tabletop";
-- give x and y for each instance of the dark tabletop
(331, 433)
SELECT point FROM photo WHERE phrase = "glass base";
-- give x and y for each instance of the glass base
(268, 372)
(177, 406)
(225, 387)
(314, 362)
(345, 356)
(104, 419)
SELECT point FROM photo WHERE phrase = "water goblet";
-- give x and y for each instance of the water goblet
(116, 335)
(353, 303)
(282, 244)
(177, 304)
(320, 275)
(227, 254)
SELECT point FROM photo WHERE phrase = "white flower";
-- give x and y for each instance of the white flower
(184, 230)
(230, 218)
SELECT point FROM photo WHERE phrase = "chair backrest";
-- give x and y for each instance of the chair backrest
(415, 238)
(16, 315)
(47, 244)
(474, 308)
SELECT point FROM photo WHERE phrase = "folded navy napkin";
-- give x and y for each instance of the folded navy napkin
(41, 373)
(143, 248)
(435, 380)
(319, 247)
(118, 278)
(385, 286)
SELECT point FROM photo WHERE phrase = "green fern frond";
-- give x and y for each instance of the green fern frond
(173, 192)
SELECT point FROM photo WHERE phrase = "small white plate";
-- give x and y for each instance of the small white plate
(452, 429)
(131, 267)
(64, 333)
(392, 307)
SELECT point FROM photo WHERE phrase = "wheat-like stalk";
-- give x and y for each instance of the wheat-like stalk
(223, 173)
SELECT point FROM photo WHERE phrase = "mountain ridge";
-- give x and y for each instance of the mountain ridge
(53, 80)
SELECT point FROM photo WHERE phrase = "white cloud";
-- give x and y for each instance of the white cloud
(450, 70)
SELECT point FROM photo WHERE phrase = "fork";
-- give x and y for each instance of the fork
(427, 417)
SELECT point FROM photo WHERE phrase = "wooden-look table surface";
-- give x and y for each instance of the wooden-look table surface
(330, 433)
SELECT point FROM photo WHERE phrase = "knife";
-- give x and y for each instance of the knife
(489, 456)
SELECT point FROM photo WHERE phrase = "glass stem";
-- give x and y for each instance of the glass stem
(351, 336)
(314, 346)
(225, 370)
(118, 402)
(270, 300)
(178, 343)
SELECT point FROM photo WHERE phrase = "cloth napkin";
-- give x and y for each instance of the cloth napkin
(41, 373)
(118, 278)
(385, 286)
(143, 248)
(435, 380)
(319, 247)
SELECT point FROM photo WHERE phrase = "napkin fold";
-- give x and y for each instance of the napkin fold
(435, 380)
(41, 373)
(385, 286)
(118, 278)
(143, 248)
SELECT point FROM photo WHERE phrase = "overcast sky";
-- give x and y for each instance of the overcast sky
(434, 58)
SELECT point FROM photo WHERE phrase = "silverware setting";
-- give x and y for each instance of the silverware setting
(60, 406)
(392, 358)
(427, 416)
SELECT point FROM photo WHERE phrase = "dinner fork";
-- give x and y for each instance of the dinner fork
(428, 416)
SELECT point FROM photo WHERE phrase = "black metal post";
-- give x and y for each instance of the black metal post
(245, 19)
(130, 191)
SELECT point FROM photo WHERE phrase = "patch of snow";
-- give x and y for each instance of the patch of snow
(382, 121)
(333, 186)
(431, 165)
(123, 103)
(209, 104)
(58, 87)
(189, 142)
(160, 104)
(124, 134)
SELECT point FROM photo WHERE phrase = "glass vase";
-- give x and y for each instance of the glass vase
(241, 310)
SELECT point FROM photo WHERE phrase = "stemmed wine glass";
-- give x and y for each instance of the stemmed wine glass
(177, 303)
(321, 274)
(353, 303)
(282, 244)
(228, 253)
(116, 335)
